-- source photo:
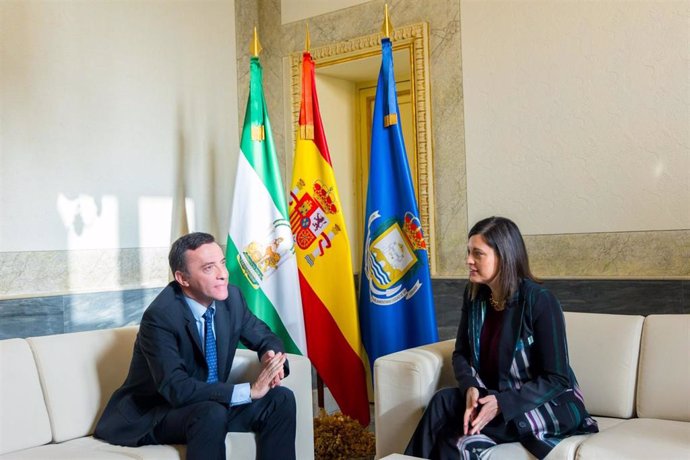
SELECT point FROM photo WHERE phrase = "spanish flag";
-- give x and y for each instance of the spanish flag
(325, 265)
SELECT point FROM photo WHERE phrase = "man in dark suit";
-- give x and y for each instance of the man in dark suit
(176, 391)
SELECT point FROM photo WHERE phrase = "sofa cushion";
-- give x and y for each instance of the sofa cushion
(398, 457)
(639, 438)
(24, 420)
(564, 450)
(63, 452)
(79, 372)
(664, 374)
(604, 351)
(238, 445)
(103, 449)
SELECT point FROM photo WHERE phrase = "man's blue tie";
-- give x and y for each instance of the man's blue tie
(210, 346)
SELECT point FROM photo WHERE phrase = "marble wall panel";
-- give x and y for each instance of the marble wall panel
(28, 274)
(36, 316)
(103, 310)
(628, 297)
(30, 317)
(79, 312)
(617, 255)
(33, 273)
(448, 302)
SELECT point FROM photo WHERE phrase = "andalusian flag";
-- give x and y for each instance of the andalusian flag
(325, 264)
(396, 305)
(261, 254)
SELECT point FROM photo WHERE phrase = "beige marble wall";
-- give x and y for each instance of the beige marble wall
(28, 274)
(611, 255)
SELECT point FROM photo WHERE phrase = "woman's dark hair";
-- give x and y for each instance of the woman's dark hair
(504, 237)
(191, 241)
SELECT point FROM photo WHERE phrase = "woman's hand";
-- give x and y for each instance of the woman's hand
(488, 411)
(471, 404)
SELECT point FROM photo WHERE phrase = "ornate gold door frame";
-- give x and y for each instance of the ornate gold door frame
(415, 39)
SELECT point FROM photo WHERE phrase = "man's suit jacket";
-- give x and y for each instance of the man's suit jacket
(168, 368)
(537, 388)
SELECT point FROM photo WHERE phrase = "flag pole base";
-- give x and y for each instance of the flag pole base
(319, 392)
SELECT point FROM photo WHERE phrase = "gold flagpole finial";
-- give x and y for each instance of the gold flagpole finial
(255, 47)
(307, 40)
(387, 27)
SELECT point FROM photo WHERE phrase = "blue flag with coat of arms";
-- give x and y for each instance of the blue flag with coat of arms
(396, 305)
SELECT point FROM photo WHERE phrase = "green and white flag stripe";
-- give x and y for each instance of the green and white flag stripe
(260, 252)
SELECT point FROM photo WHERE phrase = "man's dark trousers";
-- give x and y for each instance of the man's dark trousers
(203, 426)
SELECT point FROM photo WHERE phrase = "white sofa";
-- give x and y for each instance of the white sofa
(54, 388)
(634, 372)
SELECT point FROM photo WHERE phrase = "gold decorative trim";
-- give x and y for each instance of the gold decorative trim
(414, 37)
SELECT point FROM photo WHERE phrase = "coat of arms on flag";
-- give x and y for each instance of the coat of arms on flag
(262, 256)
(309, 218)
(390, 255)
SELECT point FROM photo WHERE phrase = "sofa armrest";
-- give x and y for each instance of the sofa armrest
(404, 382)
(24, 422)
(299, 381)
(246, 367)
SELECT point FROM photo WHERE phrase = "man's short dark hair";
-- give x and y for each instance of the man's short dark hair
(190, 241)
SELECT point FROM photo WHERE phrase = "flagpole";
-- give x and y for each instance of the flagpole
(255, 47)
(307, 39)
(258, 131)
(387, 30)
(386, 27)
(319, 381)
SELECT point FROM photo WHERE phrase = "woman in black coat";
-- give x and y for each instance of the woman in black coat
(510, 360)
